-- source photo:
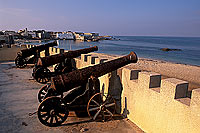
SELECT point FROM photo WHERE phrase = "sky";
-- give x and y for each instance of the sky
(108, 17)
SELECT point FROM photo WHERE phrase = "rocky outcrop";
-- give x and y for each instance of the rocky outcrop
(168, 49)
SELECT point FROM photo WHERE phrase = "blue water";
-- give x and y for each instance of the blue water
(147, 47)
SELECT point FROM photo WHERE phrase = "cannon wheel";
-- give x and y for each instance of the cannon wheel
(57, 69)
(52, 111)
(42, 75)
(33, 74)
(101, 106)
(42, 92)
(20, 62)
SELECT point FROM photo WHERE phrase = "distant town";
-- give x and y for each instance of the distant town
(9, 37)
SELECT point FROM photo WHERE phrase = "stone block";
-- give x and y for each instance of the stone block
(62, 51)
(84, 57)
(174, 88)
(130, 74)
(91, 59)
(195, 99)
(149, 79)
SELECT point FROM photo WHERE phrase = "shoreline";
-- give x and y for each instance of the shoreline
(167, 60)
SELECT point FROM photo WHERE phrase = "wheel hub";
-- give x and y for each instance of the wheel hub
(52, 112)
(102, 107)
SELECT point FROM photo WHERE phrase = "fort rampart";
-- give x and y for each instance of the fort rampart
(153, 104)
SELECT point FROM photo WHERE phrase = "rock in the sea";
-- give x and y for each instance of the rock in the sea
(168, 49)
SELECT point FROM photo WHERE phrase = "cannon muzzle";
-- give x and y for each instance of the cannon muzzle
(58, 58)
(32, 51)
(65, 82)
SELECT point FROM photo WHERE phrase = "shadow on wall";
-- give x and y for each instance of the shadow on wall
(115, 88)
(125, 110)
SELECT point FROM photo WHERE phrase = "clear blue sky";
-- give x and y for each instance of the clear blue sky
(112, 17)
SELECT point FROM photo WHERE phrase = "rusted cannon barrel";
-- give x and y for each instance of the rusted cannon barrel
(31, 51)
(54, 59)
(65, 82)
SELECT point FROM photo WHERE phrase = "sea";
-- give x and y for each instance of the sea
(145, 47)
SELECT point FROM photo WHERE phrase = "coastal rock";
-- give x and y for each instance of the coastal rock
(168, 49)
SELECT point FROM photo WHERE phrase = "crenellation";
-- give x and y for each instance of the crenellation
(134, 74)
(195, 99)
(91, 59)
(62, 51)
(103, 60)
(155, 80)
(149, 79)
(174, 88)
(97, 60)
(130, 74)
(153, 104)
(56, 50)
(84, 57)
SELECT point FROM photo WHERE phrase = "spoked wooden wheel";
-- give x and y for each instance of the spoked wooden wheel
(101, 107)
(34, 70)
(20, 62)
(42, 75)
(42, 92)
(52, 111)
(57, 68)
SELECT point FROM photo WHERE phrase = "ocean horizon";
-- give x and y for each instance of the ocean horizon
(145, 47)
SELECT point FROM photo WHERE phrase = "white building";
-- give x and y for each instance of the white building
(79, 36)
(33, 34)
(65, 35)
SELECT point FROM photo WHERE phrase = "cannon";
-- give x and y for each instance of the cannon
(64, 64)
(24, 56)
(79, 91)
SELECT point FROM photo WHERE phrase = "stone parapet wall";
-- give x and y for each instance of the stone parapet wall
(51, 50)
(157, 105)
(153, 104)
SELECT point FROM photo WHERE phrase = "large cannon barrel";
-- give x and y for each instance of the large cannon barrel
(65, 82)
(31, 51)
(54, 59)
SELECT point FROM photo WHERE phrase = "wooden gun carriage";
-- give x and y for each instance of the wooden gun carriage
(24, 56)
(79, 91)
(64, 64)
